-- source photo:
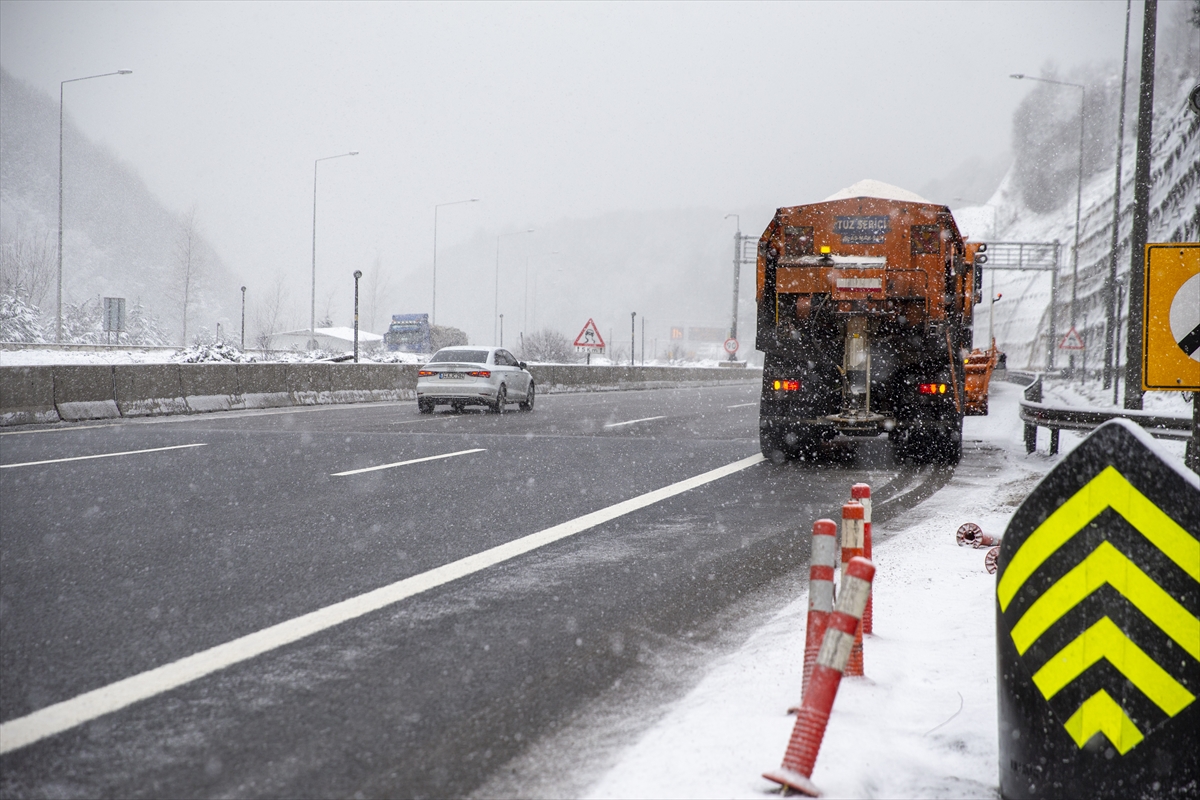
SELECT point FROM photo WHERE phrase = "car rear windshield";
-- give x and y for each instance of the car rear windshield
(467, 356)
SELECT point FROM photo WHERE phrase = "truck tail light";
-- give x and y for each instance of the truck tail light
(932, 388)
(787, 385)
(480, 373)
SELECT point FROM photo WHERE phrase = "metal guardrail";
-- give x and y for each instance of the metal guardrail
(1036, 414)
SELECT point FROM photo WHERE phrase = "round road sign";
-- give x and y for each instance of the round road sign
(731, 346)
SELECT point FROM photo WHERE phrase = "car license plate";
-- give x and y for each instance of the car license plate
(453, 376)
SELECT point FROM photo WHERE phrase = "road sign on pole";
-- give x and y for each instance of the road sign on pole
(589, 339)
(1098, 643)
(731, 345)
(1171, 318)
(1072, 341)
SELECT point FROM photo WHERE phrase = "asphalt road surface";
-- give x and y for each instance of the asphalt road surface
(210, 530)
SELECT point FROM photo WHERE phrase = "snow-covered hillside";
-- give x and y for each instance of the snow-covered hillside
(1022, 317)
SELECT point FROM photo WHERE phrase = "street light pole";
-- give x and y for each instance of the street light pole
(1110, 295)
(632, 336)
(502, 330)
(737, 276)
(243, 317)
(496, 288)
(1078, 196)
(433, 320)
(312, 320)
(62, 84)
(357, 275)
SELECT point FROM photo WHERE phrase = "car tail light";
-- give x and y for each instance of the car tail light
(480, 373)
(425, 373)
(787, 385)
(932, 388)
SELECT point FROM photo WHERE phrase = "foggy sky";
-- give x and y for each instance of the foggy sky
(545, 111)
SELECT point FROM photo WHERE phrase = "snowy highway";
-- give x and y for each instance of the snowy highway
(533, 560)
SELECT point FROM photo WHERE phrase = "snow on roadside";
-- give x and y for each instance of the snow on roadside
(923, 721)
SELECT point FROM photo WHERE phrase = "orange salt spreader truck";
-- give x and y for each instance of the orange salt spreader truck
(865, 311)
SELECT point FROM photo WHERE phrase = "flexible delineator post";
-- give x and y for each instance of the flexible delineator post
(809, 730)
(862, 493)
(990, 562)
(971, 534)
(820, 592)
(853, 523)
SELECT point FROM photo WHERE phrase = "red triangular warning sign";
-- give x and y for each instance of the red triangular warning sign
(1071, 341)
(589, 338)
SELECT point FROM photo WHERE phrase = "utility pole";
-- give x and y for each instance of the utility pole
(643, 341)
(243, 317)
(1110, 295)
(1141, 211)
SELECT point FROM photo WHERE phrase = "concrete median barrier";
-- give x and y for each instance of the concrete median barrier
(85, 391)
(263, 386)
(27, 396)
(310, 384)
(148, 390)
(210, 387)
(77, 392)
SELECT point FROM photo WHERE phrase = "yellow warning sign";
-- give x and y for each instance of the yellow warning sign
(1098, 596)
(1171, 317)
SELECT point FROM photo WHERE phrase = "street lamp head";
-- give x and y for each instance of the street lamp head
(357, 274)
(352, 153)
(124, 72)
(1018, 76)
(243, 290)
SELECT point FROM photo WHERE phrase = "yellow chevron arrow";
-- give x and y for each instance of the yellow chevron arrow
(1108, 489)
(1108, 565)
(1101, 714)
(1106, 640)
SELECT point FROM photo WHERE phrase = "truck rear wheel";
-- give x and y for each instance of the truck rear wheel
(794, 441)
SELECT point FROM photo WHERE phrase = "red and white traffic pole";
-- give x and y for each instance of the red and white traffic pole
(862, 493)
(809, 730)
(820, 592)
(853, 521)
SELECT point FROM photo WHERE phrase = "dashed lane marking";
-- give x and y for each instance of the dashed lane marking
(100, 455)
(410, 461)
(741, 405)
(53, 719)
(632, 421)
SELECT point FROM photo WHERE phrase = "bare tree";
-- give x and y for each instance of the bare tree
(376, 289)
(190, 263)
(27, 266)
(269, 314)
(549, 345)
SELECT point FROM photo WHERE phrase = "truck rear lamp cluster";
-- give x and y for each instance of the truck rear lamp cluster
(787, 385)
(480, 373)
(932, 388)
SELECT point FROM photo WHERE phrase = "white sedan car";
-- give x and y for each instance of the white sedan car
(462, 376)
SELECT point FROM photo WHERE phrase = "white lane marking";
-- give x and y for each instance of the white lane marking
(101, 455)
(741, 405)
(55, 430)
(632, 421)
(411, 461)
(48, 721)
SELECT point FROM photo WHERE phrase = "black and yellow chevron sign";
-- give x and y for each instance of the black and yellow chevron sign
(1098, 627)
